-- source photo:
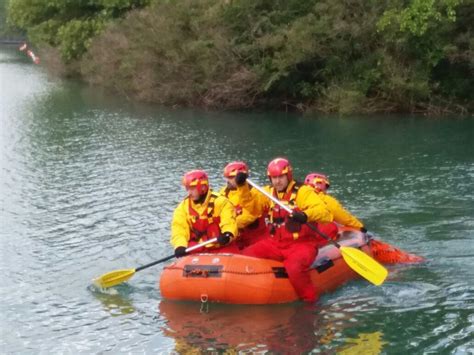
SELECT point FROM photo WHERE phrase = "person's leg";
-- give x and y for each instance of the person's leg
(252, 236)
(298, 259)
(265, 249)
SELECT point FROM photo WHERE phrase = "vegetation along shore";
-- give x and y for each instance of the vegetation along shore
(342, 56)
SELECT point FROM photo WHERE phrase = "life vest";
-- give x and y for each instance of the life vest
(204, 226)
(280, 226)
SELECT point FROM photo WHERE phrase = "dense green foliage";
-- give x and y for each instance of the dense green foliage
(3, 16)
(326, 55)
(7, 33)
(67, 24)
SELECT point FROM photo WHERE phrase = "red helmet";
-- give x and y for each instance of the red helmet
(197, 178)
(235, 167)
(318, 181)
(280, 166)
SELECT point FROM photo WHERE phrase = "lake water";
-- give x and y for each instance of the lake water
(89, 182)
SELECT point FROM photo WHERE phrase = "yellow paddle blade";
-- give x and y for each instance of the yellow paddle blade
(364, 265)
(114, 278)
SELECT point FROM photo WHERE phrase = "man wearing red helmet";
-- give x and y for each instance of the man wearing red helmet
(320, 184)
(291, 240)
(201, 216)
(251, 225)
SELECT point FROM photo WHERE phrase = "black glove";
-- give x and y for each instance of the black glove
(180, 251)
(363, 230)
(224, 239)
(240, 178)
(298, 216)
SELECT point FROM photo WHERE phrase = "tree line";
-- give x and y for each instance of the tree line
(345, 56)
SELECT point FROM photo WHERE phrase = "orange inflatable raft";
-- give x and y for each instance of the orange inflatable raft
(240, 279)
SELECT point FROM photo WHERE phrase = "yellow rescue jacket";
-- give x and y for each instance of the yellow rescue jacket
(341, 215)
(244, 203)
(221, 209)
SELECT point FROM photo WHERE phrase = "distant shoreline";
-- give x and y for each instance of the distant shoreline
(13, 40)
(309, 57)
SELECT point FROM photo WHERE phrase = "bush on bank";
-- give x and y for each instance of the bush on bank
(174, 54)
(68, 25)
(314, 55)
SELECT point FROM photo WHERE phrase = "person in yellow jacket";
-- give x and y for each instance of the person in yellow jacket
(251, 224)
(291, 240)
(201, 216)
(320, 184)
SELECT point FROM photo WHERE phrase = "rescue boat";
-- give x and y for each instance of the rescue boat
(238, 279)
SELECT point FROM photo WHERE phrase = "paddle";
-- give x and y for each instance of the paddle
(118, 276)
(357, 260)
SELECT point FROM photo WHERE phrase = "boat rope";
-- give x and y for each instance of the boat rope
(207, 272)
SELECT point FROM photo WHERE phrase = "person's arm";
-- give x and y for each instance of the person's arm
(226, 211)
(261, 203)
(341, 215)
(247, 206)
(312, 205)
(180, 232)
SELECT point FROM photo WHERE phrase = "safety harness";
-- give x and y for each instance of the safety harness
(204, 226)
(278, 216)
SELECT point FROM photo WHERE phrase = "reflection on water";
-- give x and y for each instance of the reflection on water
(282, 329)
(224, 327)
(114, 300)
(365, 343)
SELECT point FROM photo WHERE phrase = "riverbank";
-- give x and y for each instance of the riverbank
(315, 56)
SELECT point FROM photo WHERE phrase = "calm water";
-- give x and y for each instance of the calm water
(89, 183)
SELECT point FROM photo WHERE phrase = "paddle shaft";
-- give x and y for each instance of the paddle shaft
(172, 256)
(289, 210)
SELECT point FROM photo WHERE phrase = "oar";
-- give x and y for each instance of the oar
(357, 260)
(118, 276)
